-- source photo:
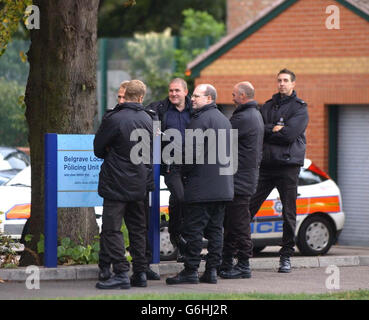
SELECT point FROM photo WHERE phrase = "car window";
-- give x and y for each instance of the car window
(307, 177)
(16, 160)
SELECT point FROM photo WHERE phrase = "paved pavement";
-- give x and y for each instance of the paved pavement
(350, 271)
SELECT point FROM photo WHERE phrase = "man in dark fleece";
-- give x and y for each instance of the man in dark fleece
(285, 118)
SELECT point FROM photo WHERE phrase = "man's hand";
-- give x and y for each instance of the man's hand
(277, 128)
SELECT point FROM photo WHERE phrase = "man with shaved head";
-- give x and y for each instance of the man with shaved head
(237, 232)
(174, 112)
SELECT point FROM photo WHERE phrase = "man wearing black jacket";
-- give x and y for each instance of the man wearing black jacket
(122, 184)
(285, 117)
(206, 189)
(237, 231)
(174, 112)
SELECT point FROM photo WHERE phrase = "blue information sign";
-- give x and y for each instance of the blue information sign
(71, 180)
(78, 171)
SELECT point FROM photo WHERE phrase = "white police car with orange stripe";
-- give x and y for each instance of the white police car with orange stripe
(320, 217)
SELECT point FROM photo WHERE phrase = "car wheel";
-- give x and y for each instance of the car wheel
(167, 251)
(315, 237)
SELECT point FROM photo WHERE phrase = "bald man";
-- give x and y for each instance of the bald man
(248, 121)
(205, 191)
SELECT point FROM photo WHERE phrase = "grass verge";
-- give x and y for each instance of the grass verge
(344, 295)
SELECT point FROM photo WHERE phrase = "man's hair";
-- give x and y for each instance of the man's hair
(210, 91)
(134, 90)
(124, 84)
(247, 89)
(286, 71)
(181, 81)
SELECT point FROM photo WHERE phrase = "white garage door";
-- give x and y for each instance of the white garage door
(353, 173)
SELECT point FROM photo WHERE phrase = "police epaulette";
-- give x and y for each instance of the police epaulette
(300, 101)
(150, 112)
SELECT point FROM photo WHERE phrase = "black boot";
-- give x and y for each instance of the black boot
(227, 263)
(240, 271)
(209, 276)
(185, 276)
(138, 279)
(104, 274)
(284, 264)
(151, 274)
(118, 281)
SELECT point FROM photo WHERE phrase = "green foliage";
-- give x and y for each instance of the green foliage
(200, 24)
(151, 60)
(13, 126)
(12, 66)
(8, 255)
(198, 32)
(118, 20)
(154, 60)
(14, 12)
(70, 253)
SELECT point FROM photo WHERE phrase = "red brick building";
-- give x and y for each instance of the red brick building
(326, 43)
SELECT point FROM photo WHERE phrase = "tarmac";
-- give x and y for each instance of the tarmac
(339, 256)
(342, 269)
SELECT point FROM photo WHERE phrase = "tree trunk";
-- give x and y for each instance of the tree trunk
(61, 98)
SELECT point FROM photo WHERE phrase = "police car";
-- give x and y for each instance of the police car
(15, 203)
(320, 217)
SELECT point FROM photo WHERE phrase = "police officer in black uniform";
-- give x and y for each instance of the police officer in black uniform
(122, 184)
(286, 118)
(249, 123)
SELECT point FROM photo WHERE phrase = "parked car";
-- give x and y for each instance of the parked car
(320, 217)
(12, 161)
(15, 203)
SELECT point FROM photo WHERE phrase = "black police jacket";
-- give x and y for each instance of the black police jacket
(287, 146)
(249, 123)
(204, 182)
(161, 108)
(120, 178)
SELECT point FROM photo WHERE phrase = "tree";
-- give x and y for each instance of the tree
(117, 20)
(13, 126)
(151, 58)
(61, 98)
(198, 31)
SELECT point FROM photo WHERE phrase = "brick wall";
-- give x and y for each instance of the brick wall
(332, 66)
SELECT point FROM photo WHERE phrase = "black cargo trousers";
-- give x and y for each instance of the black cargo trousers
(174, 181)
(237, 229)
(203, 220)
(112, 247)
(285, 179)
